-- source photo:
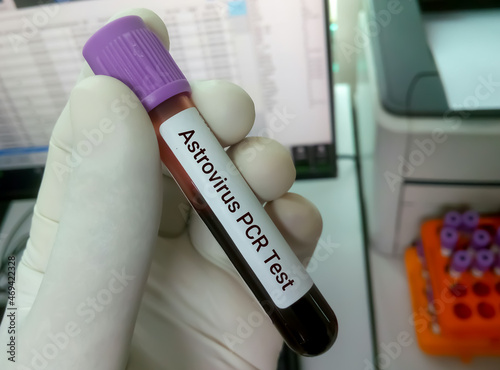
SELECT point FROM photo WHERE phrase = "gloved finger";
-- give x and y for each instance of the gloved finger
(230, 113)
(227, 109)
(108, 224)
(299, 221)
(266, 165)
(176, 209)
(60, 164)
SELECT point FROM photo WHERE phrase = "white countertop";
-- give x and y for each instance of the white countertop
(338, 265)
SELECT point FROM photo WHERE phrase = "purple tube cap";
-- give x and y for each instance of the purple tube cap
(453, 219)
(470, 220)
(484, 259)
(128, 51)
(480, 239)
(420, 248)
(449, 237)
(461, 261)
(429, 293)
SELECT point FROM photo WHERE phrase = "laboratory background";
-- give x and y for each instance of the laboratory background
(390, 110)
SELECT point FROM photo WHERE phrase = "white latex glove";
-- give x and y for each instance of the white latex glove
(118, 273)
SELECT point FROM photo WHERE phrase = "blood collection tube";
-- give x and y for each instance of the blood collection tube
(449, 239)
(460, 262)
(470, 220)
(480, 239)
(453, 219)
(483, 260)
(127, 50)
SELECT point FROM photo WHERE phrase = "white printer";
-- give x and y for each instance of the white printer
(422, 151)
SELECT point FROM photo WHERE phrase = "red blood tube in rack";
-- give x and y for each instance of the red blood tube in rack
(480, 239)
(127, 50)
(453, 219)
(460, 263)
(470, 221)
(483, 260)
(449, 239)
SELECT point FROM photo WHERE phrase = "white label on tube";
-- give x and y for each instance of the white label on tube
(236, 207)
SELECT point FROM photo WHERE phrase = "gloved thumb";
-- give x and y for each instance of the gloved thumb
(91, 290)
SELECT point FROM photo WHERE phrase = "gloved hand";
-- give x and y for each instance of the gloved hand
(118, 272)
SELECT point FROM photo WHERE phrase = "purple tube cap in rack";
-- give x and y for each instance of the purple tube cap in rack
(449, 239)
(429, 293)
(461, 261)
(420, 249)
(483, 260)
(480, 239)
(470, 220)
(453, 219)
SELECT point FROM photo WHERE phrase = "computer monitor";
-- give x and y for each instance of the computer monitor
(277, 50)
